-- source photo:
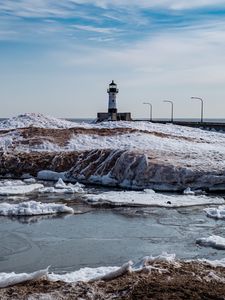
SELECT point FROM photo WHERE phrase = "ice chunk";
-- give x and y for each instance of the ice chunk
(60, 184)
(84, 274)
(62, 188)
(30, 180)
(8, 279)
(188, 191)
(216, 213)
(213, 241)
(31, 208)
(19, 189)
(50, 175)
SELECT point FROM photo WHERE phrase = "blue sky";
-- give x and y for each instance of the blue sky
(57, 57)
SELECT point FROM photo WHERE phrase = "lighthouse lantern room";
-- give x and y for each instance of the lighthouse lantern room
(112, 91)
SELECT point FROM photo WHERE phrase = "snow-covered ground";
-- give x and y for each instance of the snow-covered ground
(33, 208)
(35, 120)
(136, 155)
(150, 198)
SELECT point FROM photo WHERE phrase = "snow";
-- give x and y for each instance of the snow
(188, 191)
(150, 198)
(50, 175)
(7, 140)
(84, 274)
(214, 241)
(11, 189)
(35, 120)
(62, 188)
(8, 279)
(18, 187)
(192, 156)
(88, 274)
(32, 208)
(216, 213)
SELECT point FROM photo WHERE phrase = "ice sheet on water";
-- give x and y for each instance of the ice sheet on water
(32, 208)
(214, 241)
(149, 197)
(10, 188)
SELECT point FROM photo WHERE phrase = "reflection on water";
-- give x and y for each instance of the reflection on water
(104, 237)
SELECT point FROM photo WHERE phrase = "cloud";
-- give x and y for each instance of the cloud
(193, 56)
(96, 29)
(70, 8)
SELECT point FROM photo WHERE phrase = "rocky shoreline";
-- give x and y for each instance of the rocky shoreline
(159, 280)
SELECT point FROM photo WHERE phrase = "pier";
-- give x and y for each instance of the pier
(217, 126)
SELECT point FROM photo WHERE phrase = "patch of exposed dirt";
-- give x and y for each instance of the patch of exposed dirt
(183, 280)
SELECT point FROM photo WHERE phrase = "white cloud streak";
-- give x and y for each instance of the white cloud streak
(65, 8)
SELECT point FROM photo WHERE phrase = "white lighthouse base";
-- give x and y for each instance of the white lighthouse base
(126, 116)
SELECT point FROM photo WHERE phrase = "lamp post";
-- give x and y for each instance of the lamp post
(202, 103)
(171, 102)
(150, 110)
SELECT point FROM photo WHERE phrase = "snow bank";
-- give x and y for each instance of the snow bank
(17, 189)
(149, 197)
(31, 208)
(216, 213)
(213, 241)
(8, 279)
(35, 120)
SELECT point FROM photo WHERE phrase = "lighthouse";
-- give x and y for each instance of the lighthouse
(112, 114)
(112, 91)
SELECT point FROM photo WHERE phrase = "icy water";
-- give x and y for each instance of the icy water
(104, 237)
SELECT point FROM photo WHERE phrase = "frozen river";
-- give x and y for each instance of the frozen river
(104, 237)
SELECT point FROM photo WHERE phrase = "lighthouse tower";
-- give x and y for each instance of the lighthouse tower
(112, 91)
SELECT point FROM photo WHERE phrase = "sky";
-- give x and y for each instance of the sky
(58, 57)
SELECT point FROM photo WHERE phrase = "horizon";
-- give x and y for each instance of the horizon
(59, 58)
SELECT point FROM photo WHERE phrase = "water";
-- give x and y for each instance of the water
(104, 237)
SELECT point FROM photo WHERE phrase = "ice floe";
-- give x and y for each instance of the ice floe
(62, 188)
(151, 198)
(214, 241)
(216, 213)
(18, 189)
(31, 208)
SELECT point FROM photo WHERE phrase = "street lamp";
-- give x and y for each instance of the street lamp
(201, 106)
(171, 102)
(150, 110)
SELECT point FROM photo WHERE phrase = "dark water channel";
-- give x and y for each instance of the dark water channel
(104, 237)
